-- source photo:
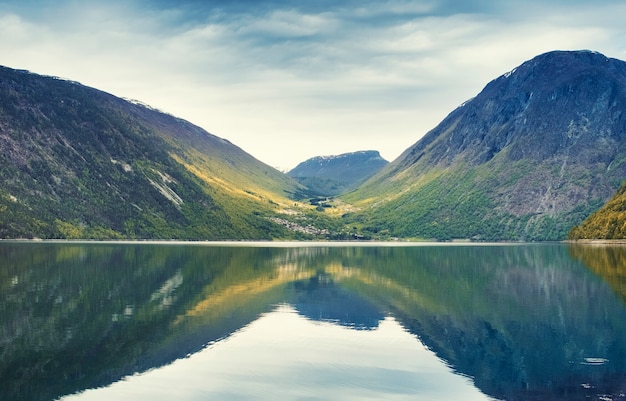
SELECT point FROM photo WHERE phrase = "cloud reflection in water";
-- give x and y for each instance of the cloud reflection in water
(283, 355)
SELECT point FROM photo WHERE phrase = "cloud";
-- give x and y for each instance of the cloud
(285, 25)
(287, 80)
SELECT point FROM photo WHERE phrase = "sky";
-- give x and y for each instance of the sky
(287, 80)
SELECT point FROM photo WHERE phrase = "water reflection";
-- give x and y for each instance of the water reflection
(607, 261)
(282, 355)
(524, 322)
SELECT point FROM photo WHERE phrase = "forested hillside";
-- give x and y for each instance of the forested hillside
(609, 222)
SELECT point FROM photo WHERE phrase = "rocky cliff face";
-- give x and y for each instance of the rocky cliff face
(552, 105)
(530, 156)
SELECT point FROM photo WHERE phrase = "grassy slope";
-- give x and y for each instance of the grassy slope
(463, 201)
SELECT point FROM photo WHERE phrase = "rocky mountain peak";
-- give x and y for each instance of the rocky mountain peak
(557, 103)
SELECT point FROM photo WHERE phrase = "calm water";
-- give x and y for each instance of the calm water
(153, 322)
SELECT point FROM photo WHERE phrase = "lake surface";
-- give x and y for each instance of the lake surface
(193, 321)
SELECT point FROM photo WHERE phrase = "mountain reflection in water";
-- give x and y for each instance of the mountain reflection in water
(511, 322)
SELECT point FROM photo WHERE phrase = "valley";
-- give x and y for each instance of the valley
(529, 158)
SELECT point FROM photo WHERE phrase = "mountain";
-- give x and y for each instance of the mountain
(332, 175)
(76, 162)
(609, 222)
(533, 154)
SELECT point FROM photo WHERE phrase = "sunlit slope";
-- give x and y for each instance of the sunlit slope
(608, 222)
(532, 155)
(217, 161)
(76, 162)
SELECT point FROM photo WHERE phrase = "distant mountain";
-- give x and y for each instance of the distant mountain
(76, 162)
(533, 154)
(332, 175)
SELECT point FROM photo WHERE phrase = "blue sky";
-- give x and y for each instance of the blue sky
(287, 80)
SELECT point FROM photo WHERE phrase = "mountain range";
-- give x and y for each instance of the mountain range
(535, 153)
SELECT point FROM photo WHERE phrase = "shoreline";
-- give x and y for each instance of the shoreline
(597, 241)
(300, 243)
(270, 243)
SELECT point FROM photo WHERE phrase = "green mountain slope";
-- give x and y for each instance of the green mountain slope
(76, 162)
(532, 155)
